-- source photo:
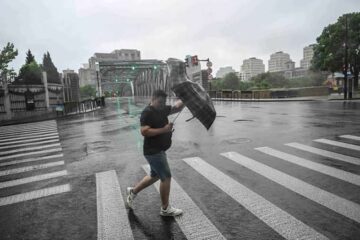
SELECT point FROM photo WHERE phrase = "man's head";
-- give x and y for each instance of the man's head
(158, 99)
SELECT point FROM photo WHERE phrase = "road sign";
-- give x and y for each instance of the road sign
(209, 64)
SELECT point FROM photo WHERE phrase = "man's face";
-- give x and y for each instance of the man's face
(159, 102)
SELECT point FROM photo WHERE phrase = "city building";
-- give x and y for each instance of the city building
(280, 61)
(250, 68)
(193, 69)
(223, 71)
(71, 86)
(116, 55)
(87, 76)
(308, 54)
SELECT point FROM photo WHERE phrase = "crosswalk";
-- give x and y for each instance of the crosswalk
(26, 149)
(196, 225)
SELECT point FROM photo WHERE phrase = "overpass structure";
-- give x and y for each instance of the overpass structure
(135, 78)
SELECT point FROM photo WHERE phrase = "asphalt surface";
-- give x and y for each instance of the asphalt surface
(109, 139)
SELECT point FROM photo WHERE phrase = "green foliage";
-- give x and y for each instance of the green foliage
(329, 52)
(30, 74)
(49, 67)
(231, 81)
(243, 86)
(7, 54)
(87, 91)
(216, 84)
(29, 57)
(270, 80)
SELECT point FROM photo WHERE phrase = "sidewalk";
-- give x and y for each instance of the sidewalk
(330, 97)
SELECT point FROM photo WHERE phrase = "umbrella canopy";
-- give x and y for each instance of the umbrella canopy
(191, 94)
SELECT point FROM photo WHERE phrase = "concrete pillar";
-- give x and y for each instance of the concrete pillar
(44, 78)
(7, 103)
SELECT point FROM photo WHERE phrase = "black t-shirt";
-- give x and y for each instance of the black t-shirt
(156, 118)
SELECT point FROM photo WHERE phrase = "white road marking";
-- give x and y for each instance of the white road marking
(333, 172)
(10, 136)
(30, 160)
(29, 137)
(113, 221)
(280, 221)
(338, 144)
(28, 125)
(27, 131)
(34, 194)
(31, 168)
(352, 137)
(31, 153)
(28, 144)
(193, 223)
(327, 199)
(31, 179)
(325, 153)
(29, 140)
(30, 148)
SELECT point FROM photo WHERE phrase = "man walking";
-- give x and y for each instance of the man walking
(157, 132)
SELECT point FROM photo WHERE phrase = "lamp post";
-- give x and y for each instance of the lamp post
(97, 68)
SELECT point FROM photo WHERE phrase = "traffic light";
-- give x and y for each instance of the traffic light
(133, 67)
(155, 67)
(194, 60)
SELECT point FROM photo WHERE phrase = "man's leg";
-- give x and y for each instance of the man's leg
(165, 192)
(144, 183)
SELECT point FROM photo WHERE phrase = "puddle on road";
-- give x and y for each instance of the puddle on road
(243, 120)
(237, 140)
(97, 146)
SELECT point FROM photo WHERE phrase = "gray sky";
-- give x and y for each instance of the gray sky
(226, 31)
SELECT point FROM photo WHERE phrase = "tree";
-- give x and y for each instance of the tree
(268, 80)
(7, 54)
(231, 81)
(30, 74)
(87, 91)
(49, 67)
(29, 57)
(329, 52)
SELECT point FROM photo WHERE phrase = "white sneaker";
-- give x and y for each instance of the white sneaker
(170, 212)
(130, 197)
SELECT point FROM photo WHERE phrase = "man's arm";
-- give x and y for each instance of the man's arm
(178, 106)
(147, 131)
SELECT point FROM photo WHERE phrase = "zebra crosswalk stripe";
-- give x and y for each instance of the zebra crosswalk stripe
(27, 134)
(22, 197)
(29, 140)
(333, 172)
(30, 148)
(327, 199)
(283, 223)
(29, 137)
(193, 223)
(31, 153)
(30, 160)
(113, 222)
(28, 144)
(352, 137)
(31, 179)
(31, 168)
(27, 131)
(325, 153)
(338, 144)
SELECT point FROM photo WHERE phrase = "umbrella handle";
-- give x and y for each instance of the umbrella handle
(177, 116)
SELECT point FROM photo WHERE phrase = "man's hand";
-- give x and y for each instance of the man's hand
(168, 127)
(178, 106)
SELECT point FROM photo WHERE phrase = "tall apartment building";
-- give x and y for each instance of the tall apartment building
(87, 76)
(280, 61)
(116, 55)
(71, 86)
(223, 71)
(308, 54)
(251, 67)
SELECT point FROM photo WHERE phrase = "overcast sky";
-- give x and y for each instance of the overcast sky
(227, 31)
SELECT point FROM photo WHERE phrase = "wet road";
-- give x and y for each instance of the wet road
(275, 170)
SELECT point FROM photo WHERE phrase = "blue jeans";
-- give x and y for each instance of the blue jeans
(159, 166)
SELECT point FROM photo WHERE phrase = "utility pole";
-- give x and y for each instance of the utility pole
(346, 62)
